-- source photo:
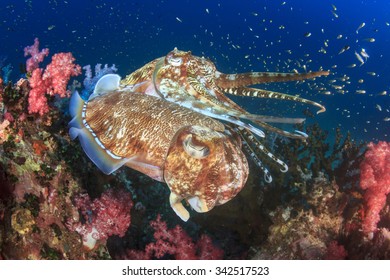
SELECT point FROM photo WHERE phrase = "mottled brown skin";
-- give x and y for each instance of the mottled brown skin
(140, 126)
(195, 155)
(222, 179)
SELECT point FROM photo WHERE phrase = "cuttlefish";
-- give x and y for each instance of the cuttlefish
(198, 157)
(194, 82)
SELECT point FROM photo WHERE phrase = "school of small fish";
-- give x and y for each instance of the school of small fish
(351, 60)
(348, 51)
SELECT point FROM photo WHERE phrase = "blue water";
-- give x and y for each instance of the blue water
(238, 36)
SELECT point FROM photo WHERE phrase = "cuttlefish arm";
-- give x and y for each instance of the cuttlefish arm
(260, 93)
(254, 78)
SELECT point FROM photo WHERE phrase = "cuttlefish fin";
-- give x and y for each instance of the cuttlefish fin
(106, 161)
(178, 207)
(106, 84)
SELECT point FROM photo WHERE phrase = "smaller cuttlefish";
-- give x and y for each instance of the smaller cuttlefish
(198, 157)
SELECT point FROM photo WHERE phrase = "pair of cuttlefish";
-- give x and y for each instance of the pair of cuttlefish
(197, 156)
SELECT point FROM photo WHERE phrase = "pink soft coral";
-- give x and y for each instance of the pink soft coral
(178, 243)
(375, 179)
(52, 80)
(37, 56)
(106, 216)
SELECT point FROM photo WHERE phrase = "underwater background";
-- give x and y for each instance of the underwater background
(237, 36)
(315, 211)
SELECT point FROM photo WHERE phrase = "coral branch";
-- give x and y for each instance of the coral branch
(37, 56)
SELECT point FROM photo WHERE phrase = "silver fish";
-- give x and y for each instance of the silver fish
(364, 54)
(359, 58)
(360, 27)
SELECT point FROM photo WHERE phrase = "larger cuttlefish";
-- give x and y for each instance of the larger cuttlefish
(197, 156)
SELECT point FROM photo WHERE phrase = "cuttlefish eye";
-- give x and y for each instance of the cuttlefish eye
(175, 61)
(195, 148)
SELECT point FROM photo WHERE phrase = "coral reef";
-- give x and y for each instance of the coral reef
(55, 204)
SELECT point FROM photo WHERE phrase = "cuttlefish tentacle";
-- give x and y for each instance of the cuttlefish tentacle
(261, 93)
(203, 95)
(248, 149)
(258, 147)
(298, 135)
(254, 78)
(262, 122)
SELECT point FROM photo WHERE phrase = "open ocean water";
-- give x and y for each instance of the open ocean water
(238, 36)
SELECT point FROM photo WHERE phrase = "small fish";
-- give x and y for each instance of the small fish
(322, 50)
(307, 34)
(371, 73)
(383, 92)
(51, 27)
(371, 40)
(379, 107)
(334, 7)
(364, 54)
(360, 91)
(334, 14)
(388, 24)
(359, 58)
(339, 36)
(386, 119)
(353, 65)
(344, 49)
(207, 11)
(361, 81)
(360, 27)
(178, 19)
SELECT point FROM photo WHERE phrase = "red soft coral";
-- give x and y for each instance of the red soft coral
(335, 251)
(375, 179)
(52, 80)
(106, 216)
(178, 243)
